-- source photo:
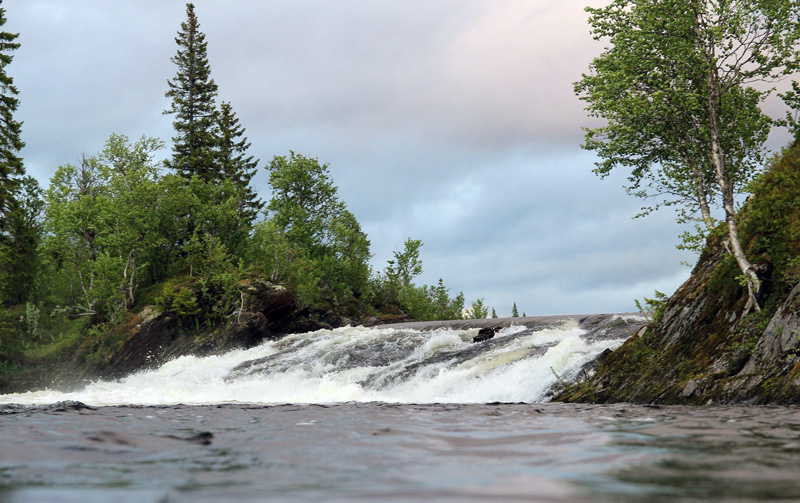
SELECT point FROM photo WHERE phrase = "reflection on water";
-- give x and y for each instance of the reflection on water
(393, 452)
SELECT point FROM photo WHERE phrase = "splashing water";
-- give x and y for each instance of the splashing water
(357, 364)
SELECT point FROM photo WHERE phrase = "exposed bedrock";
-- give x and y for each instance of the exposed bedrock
(703, 350)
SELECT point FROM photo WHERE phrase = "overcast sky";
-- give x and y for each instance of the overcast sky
(449, 121)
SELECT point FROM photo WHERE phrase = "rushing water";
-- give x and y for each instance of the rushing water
(356, 364)
(387, 415)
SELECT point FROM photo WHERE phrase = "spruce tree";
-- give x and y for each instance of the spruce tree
(494, 313)
(19, 262)
(11, 168)
(12, 260)
(514, 312)
(235, 165)
(193, 94)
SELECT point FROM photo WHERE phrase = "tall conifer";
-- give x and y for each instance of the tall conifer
(235, 165)
(11, 168)
(193, 92)
(15, 259)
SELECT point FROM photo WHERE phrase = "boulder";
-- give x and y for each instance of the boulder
(484, 334)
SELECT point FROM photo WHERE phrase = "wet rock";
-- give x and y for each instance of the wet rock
(590, 367)
(485, 334)
(781, 338)
(385, 320)
(267, 311)
(67, 406)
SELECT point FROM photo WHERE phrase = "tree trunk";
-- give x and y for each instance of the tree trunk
(725, 184)
(702, 194)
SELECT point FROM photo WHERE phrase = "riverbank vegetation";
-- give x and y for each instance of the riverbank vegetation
(121, 230)
(678, 90)
(683, 115)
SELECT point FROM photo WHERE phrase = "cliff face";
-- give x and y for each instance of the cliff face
(701, 349)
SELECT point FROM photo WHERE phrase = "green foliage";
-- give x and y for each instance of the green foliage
(401, 271)
(17, 242)
(304, 202)
(210, 149)
(655, 83)
(435, 303)
(514, 312)
(406, 264)
(653, 308)
(674, 87)
(396, 288)
(311, 227)
(479, 311)
(216, 281)
(31, 318)
(235, 166)
(219, 281)
(193, 93)
(724, 282)
(11, 167)
(19, 262)
(271, 254)
(179, 300)
(115, 224)
(105, 232)
(494, 313)
(771, 219)
(214, 290)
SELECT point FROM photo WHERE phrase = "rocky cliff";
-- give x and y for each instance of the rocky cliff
(702, 347)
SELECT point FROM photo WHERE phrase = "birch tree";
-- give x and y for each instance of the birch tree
(675, 87)
(106, 227)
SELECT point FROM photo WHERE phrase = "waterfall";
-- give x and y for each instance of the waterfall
(357, 364)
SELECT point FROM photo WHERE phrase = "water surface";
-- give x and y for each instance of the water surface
(399, 452)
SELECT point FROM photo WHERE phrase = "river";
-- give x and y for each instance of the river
(360, 414)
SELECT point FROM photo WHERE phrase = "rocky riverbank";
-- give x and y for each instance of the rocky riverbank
(152, 336)
(702, 346)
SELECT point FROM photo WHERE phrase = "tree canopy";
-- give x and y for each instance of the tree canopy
(676, 90)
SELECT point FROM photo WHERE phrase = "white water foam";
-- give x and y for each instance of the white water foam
(357, 364)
